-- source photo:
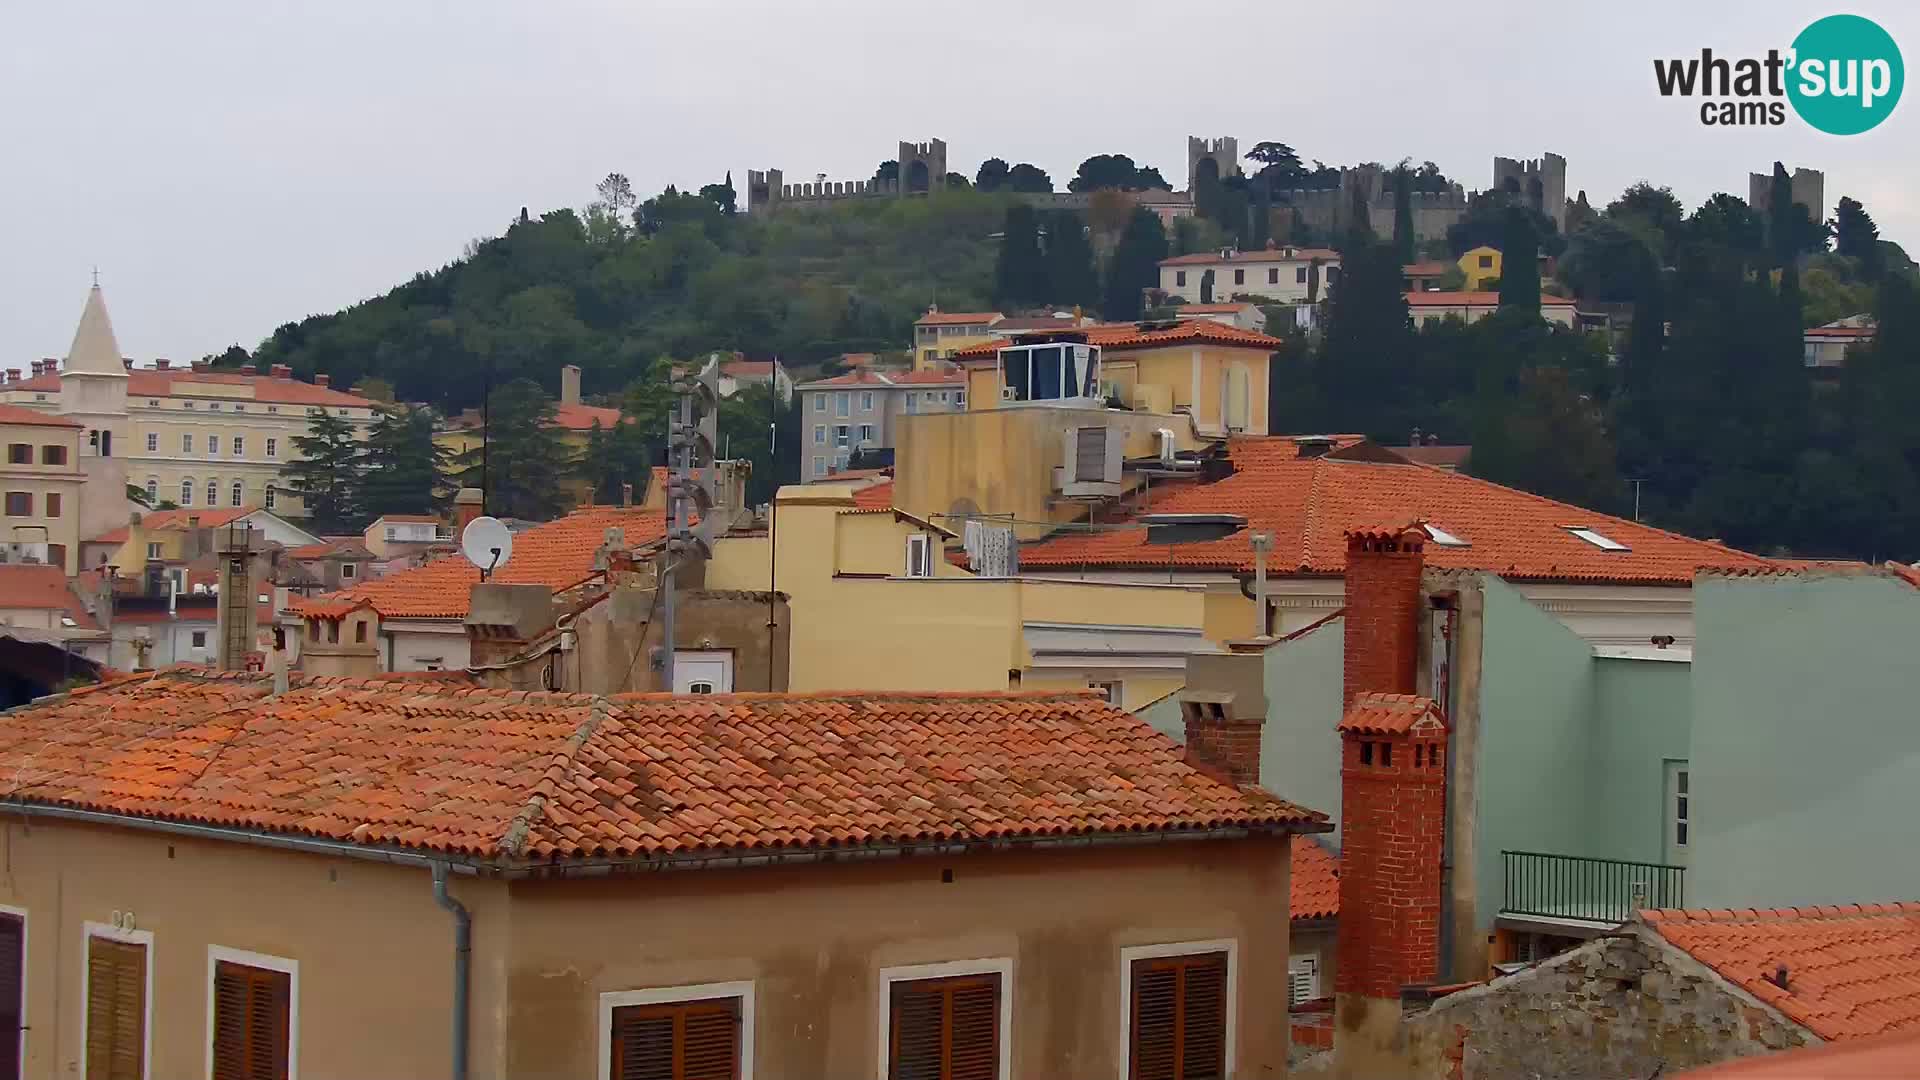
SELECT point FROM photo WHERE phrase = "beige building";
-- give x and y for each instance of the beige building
(861, 411)
(192, 436)
(1283, 274)
(1028, 886)
(42, 485)
(938, 334)
(1431, 307)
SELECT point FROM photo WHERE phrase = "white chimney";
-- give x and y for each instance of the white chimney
(570, 385)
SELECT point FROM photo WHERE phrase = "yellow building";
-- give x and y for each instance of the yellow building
(191, 436)
(1184, 387)
(462, 436)
(1481, 265)
(42, 485)
(875, 605)
(937, 335)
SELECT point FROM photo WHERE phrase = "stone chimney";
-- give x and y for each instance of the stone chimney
(570, 385)
(1225, 707)
(13, 374)
(466, 506)
(281, 371)
(322, 379)
(1393, 799)
(162, 364)
(249, 369)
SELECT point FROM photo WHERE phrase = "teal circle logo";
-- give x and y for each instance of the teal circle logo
(1846, 75)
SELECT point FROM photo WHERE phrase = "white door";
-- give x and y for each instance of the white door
(698, 671)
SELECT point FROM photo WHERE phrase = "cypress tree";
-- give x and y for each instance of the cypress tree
(1071, 279)
(1020, 273)
(1519, 263)
(1135, 265)
(1403, 240)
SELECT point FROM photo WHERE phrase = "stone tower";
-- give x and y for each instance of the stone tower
(923, 167)
(1809, 190)
(1542, 182)
(1224, 154)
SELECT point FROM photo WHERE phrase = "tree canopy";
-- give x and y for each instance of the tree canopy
(1117, 171)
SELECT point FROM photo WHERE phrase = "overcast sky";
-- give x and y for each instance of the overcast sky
(231, 165)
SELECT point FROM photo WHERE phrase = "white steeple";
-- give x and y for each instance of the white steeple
(94, 351)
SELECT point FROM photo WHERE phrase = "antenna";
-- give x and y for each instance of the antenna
(487, 544)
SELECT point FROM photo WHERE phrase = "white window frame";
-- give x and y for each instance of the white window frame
(153, 442)
(1310, 963)
(142, 938)
(269, 497)
(866, 401)
(218, 953)
(153, 490)
(1598, 539)
(213, 492)
(819, 466)
(669, 995)
(153, 550)
(819, 434)
(866, 434)
(842, 402)
(26, 971)
(1230, 946)
(239, 446)
(992, 965)
(819, 402)
(186, 491)
(919, 555)
(237, 493)
(186, 442)
(273, 446)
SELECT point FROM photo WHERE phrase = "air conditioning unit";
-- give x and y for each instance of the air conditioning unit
(1090, 461)
(1008, 393)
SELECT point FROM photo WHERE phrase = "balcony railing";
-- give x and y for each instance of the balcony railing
(1605, 891)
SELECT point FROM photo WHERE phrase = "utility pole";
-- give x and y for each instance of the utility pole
(693, 429)
(1636, 482)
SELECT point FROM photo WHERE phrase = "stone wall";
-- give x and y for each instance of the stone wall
(1620, 1006)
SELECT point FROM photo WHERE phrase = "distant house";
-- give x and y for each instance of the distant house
(1481, 265)
(1826, 345)
(938, 334)
(1423, 276)
(953, 885)
(1431, 307)
(1245, 316)
(1282, 274)
(738, 373)
(859, 411)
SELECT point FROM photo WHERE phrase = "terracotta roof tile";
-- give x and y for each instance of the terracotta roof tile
(1307, 504)
(1390, 714)
(539, 777)
(1880, 1058)
(875, 496)
(583, 417)
(1315, 881)
(32, 587)
(1852, 971)
(1273, 254)
(940, 376)
(1123, 336)
(558, 554)
(856, 377)
(956, 318)
(171, 520)
(179, 382)
(21, 414)
(335, 549)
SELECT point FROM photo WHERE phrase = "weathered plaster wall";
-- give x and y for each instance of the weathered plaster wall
(1642, 715)
(1804, 741)
(1299, 750)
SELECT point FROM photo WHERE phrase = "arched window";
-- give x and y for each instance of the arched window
(239, 491)
(186, 492)
(213, 493)
(269, 499)
(153, 491)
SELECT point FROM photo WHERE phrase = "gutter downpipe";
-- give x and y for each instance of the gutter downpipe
(462, 966)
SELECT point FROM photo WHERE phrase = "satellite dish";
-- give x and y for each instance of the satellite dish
(487, 543)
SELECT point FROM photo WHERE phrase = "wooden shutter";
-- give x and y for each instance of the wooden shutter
(251, 1032)
(945, 1029)
(13, 945)
(1178, 1018)
(681, 1040)
(116, 1009)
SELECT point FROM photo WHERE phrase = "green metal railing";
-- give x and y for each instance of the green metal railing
(1590, 890)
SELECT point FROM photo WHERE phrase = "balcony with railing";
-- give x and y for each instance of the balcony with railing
(1596, 892)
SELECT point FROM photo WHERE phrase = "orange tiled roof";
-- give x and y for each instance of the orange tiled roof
(558, 554)
(345, 548)
(1852, 971)
(170, 520)
(856, 377)
(583, 417)
(528, 777)
(34, 587)
(1307, 504)
(956, 318)
(875, 496)
(1114, 337)
(1272, 254)
(1389, 714)
(938, 376)
(1315, 881)
(1880, 1058)
(179, 382)
(1474, 299)
(1431, 268)
(20, 414)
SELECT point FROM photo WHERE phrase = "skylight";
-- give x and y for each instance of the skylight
(1599, 540)
(1444, 538)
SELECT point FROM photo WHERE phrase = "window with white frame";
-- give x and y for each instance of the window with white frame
(1303, 978)
(1178, 995)
(153, 491)
(213, 493)
(253, 1015)
(677, 1033)
(920, 555)
(239, 491)
(819, 466)
(946, 1021)
(819, 403)
(273, 447)
(269, 499)
(213, 446)
(116, 1023)
(239, 446)
(841, 402)
(840, 435)
(186, 492)
(1114, 689)
(819, 434)
(153, 442)
(186, 442)
(866, 434)
(866, 401)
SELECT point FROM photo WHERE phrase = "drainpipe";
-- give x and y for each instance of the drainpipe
(1262, 543)
(462, 966)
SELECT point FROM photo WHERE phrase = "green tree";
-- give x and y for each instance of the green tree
(1791, 231)
(1607, 261)
(326, 475)
(1030, 179)
(887, 172)
(1103, 171)
(1206, 287)
(744, 435)
(1550, 439)
(1655, 212)
(1135, 266)
(614, 457)
(992, 175)
(1365, 357)
(404, 470)
(1071, 278)
(1020, 273)
(1403, 238)
(1519, 264)
(1857, 237)
(525, 459)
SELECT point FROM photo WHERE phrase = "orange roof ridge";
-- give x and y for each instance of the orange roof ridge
(1391, 714)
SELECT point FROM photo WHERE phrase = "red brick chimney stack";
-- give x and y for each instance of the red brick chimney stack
(1383, 609)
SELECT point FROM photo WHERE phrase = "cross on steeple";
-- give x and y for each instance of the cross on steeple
(96, 275)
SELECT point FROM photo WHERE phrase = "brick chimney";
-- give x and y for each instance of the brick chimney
(1393, 796)
(1225, 706)
(322, 379)
(249, 369)
(570, 385)
(466, 506)
(162, 364)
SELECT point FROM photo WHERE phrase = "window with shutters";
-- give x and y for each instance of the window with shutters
(947, 1027)
(684, 1033)
(1303, 978)
(252, 1016)
(1178, 1022)
(13, 993)
(115, 1022)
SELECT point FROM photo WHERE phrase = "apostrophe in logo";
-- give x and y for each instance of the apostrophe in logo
(1846, 74)
(1843, 75)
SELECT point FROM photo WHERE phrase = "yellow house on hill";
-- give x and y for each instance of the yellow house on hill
(1481, 265)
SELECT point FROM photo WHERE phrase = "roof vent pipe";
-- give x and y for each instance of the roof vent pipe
(1165, 437)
